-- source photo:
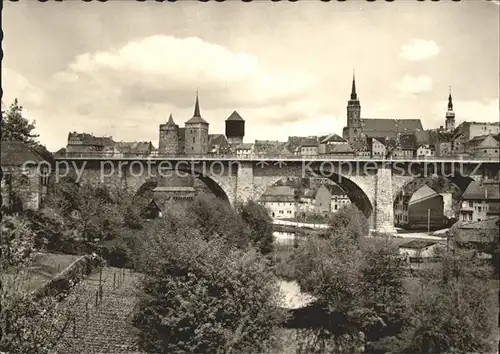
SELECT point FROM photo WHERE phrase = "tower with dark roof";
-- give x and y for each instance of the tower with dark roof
(450, 115)
(196, 135)
(169, 138)
(235, 129)
(354, 129)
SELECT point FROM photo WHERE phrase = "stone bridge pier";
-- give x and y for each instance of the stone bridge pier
(372, 186)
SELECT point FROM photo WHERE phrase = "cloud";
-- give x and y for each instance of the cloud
(17, 85)
(414, 85)
(470, 110)
(127, 92)
(419, 49)
(164, 68)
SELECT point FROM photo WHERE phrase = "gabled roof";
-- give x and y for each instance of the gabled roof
(418, 244)
(308, 193)
(235, 116)
(338, 149)
(487, 224)
(279, 191)
(331, 138)
(134, 146)
(244, 146)
(335, 189)
(217, 139)
(309, 142)
(387, 127)
(16, 153)
(424, 192)
(268, 146)
(90, 139)
(488, 142)
(484, 191)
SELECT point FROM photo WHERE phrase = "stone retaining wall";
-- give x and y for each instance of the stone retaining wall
(65, 280)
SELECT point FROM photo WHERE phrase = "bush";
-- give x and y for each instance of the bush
(203, 295)
(348, 221)
(259, 224)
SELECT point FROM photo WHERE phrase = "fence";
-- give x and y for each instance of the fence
(87, 303)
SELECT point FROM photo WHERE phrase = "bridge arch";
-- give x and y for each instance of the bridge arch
(218, 187)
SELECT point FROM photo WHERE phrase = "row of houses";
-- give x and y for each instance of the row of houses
(468, 139)
(427, 209)
(285, 202)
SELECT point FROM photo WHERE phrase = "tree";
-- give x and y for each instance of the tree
(203, 295)
(382, 277)
(217, 219)
(16, 127)
(453, 313)
(259, 224)
(348, 221)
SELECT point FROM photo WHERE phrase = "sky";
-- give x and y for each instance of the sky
(120, 68)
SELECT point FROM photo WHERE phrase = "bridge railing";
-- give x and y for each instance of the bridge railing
(113, 155)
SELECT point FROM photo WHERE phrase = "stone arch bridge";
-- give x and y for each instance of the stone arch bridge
(370, 184)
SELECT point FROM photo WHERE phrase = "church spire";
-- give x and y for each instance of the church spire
(450, 101)
(354, 95)
(197, 107)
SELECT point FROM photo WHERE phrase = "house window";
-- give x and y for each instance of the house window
(471, 204)
(479, 209)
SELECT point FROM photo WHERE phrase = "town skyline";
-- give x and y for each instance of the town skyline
(283, 80)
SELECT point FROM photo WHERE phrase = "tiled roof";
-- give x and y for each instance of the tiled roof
(196, 120)
(235, 116)
(89, 139)
(138, 147)
(423, 137)
(408, 142)
(244, 146)
(335, 189)
(489, 142)
(486, 190)
(418, 244)
(279, 191)
(387, 127)
(268, 146)
(217, 139)
(171, 122)
(331, 138)
(338, 149)
(16, 153)
(309, 193)
(488, 224)
(424, 192)
(308, 142)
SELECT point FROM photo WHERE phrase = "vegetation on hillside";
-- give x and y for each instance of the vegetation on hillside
(207, 286)
(359, 289)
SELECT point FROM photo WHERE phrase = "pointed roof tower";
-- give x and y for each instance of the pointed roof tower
(197, 107)
(450, 101)
(354, 95)
(235, 116)
(170, 122)
(197, 116)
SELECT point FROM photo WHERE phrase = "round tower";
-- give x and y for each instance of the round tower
(196, 141)
(169, 138)
(235, 129)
